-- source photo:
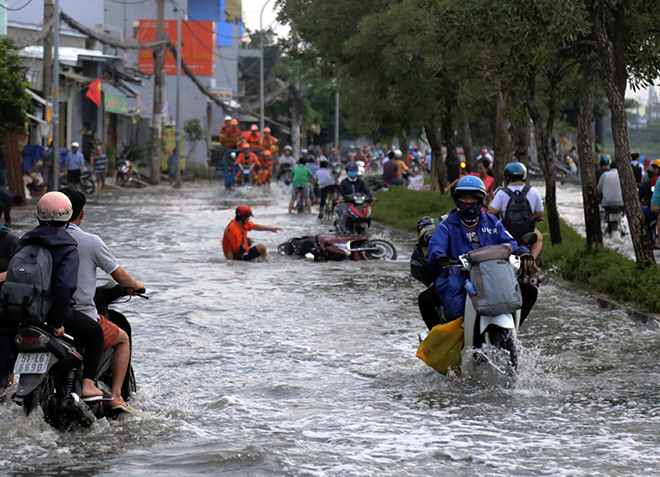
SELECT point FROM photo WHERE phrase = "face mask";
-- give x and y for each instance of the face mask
(468, 211)
(352, 175)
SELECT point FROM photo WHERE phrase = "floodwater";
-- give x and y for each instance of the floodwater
(308, 369)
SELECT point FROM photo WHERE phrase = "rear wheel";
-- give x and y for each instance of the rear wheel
(300, 203)
(329, 209)
(48, 396)
(381, 250)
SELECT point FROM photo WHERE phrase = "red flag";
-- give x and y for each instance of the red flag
(94, 92)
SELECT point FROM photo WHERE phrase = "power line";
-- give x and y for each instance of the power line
(16, 9)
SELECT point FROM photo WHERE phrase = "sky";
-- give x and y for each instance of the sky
(252, 12)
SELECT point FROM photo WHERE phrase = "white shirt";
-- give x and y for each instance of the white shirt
(325, 177)
(93, 253)
(501, 199)
(610, 187)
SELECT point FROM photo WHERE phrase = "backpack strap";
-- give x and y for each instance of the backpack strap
(525, 190)
(507, 191)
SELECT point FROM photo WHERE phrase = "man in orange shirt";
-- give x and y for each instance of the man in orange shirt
(253, 138)
(247, 159)
(235, 243)
(233, 136)
(268, 142)
(266, 169)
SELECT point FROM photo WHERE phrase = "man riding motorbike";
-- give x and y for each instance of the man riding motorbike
(466, 228)
(349, 186)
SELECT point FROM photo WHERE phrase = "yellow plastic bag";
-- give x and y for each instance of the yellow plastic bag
(442, 348)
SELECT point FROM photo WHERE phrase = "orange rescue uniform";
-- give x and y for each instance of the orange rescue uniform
(269, 143)
(236, 235)
(254, 140)
(232, 138)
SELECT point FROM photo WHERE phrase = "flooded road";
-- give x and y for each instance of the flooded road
(307, 369)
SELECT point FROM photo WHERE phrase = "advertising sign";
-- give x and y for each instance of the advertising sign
(197, 46)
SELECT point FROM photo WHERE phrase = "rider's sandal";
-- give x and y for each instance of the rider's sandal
(125, 409)
(98, 397)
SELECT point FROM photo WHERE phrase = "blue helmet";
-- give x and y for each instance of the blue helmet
(515, 171)
(470, 184)
(352, 167)
(605, 160)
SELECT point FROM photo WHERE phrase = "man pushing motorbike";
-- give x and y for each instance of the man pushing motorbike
(466, 228)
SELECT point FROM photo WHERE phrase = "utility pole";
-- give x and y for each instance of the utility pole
(156, 116)
(47, 71)
(55, 117)
(177, 167)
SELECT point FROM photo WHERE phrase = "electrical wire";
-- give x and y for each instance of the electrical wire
(16, 9)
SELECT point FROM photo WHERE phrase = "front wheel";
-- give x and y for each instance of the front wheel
(380, 250)
(504, 339)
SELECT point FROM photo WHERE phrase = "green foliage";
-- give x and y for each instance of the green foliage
(14, 100)
(192, 130)
(402, 208)
(133, 152)
(111, 154)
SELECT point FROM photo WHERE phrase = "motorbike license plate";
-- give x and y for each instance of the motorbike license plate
(32, 363)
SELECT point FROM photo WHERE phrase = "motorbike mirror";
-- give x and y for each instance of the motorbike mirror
(529, 238)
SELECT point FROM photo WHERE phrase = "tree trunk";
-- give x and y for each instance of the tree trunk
(449, 142)
(521, 132)
(501, 141)
(468, 147)
(438, 169)
(403, 146)
(545, 154)
(614, 74)
(587, 170)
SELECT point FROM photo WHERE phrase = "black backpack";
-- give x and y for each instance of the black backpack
(25, 297)
(519, 217)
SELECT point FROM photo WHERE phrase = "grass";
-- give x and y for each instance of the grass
(603, 270)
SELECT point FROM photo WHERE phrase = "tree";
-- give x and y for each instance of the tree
(193, 133)
(625, 34)
(14, 100)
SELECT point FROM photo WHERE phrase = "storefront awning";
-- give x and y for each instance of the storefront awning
(76, 77)
(114, 100)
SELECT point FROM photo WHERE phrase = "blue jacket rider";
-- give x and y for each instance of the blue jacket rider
(465, 229)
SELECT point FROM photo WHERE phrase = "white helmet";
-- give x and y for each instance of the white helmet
(227, 118)
(54, 207)
(398, 153)
(288, 148)
(75, 144)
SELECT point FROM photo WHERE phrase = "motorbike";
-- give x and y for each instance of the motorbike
(489, 338)
(354, 215)
(50, 370)
(335, 248)
(87, 184)
(284, 173)
(612, 219)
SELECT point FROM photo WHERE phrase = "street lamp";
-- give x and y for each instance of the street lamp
(261, 68)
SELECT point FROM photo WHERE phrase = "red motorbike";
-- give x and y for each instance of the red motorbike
(354, 215)
(331, 247)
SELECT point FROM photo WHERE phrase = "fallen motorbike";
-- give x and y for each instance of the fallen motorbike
(354, 215)
(330, 247)
(50, 370)
(487, 331)
(87, 184)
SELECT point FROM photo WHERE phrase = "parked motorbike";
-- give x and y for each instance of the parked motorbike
(331, 247)
(354, 215)
(50, 370)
